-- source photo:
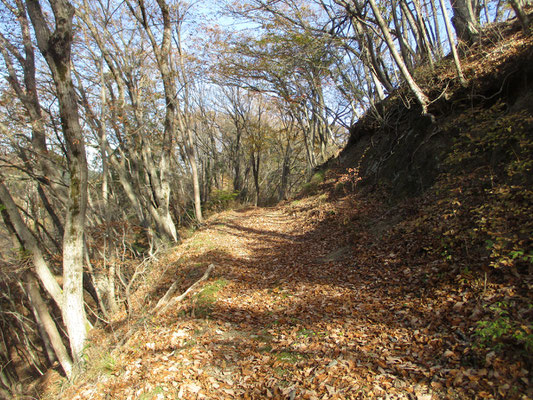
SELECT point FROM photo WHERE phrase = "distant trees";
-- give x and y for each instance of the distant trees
(370, 45)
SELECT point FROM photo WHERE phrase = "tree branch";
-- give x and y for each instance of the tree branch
(166, 301)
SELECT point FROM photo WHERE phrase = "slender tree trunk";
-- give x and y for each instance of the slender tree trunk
(436, 27)
(195, 179)
(256, 160)
(48, 325)
(415, 29)
(56, 49)
(236, 160)
(404, 46)
(285, 172)
(423, 31)
(50, 353)
(108, 279)
(30, 244)
(377, 85)
(420, 96)
(456, 60)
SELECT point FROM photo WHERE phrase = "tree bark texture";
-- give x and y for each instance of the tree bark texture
(465, 20)
(419, 94)
(48, 325)
(56, 49)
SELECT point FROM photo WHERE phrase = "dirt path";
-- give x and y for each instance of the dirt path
(294, 310)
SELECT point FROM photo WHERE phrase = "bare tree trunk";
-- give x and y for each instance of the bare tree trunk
(402, 39)
(28, 240)
(256, 160)
(420, 96)
(436, 28)
(195, 179)
(189, 139)
(46, 173)
(109, 279)
(466, 20)
(421, 51)
(236, 160)
(369, 53)
(56, 49)
(456, 60)
(48, 325)
(285, 172)
(423, 31)
(521, 15)
(163, 56)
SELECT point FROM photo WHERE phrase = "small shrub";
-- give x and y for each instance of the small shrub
(311, 187)
(222, 200)
(502, 329)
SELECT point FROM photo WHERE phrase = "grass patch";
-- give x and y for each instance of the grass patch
(205, 300)
(289, 357)
(99, 361)
(312, 186)
(153, 394)
(280, 372)
(263, 337)
(200, 242)
(318, 177)
(108, 364)
(187, 232)
(306, 333)
(265, 349)
(323, 198)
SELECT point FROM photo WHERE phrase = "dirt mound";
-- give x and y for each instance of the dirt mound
(395, 146)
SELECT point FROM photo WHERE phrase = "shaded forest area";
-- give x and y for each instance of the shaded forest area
(402, 128)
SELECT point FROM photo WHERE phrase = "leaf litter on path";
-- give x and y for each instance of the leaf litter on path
(309, 308)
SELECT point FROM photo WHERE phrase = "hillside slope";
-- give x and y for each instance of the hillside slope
(306, 302)
(404, 272)
(405, 151)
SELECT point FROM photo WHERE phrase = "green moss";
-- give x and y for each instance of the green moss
(311, 187)
(318, 177)
(306, 333)
(208, 296)
(280, 372)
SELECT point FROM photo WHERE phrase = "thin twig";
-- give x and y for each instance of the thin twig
(166, 301)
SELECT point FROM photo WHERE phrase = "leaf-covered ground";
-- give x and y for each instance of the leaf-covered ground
(314, 299)
(344, 295)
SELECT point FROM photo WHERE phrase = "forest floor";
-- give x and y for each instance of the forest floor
(308, 300)
(344, 294)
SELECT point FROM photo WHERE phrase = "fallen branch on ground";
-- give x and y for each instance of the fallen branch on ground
(167, 300)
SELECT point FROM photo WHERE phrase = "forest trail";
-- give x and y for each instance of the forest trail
(295, 309)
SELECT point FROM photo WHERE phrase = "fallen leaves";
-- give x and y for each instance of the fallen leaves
(309, 314)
